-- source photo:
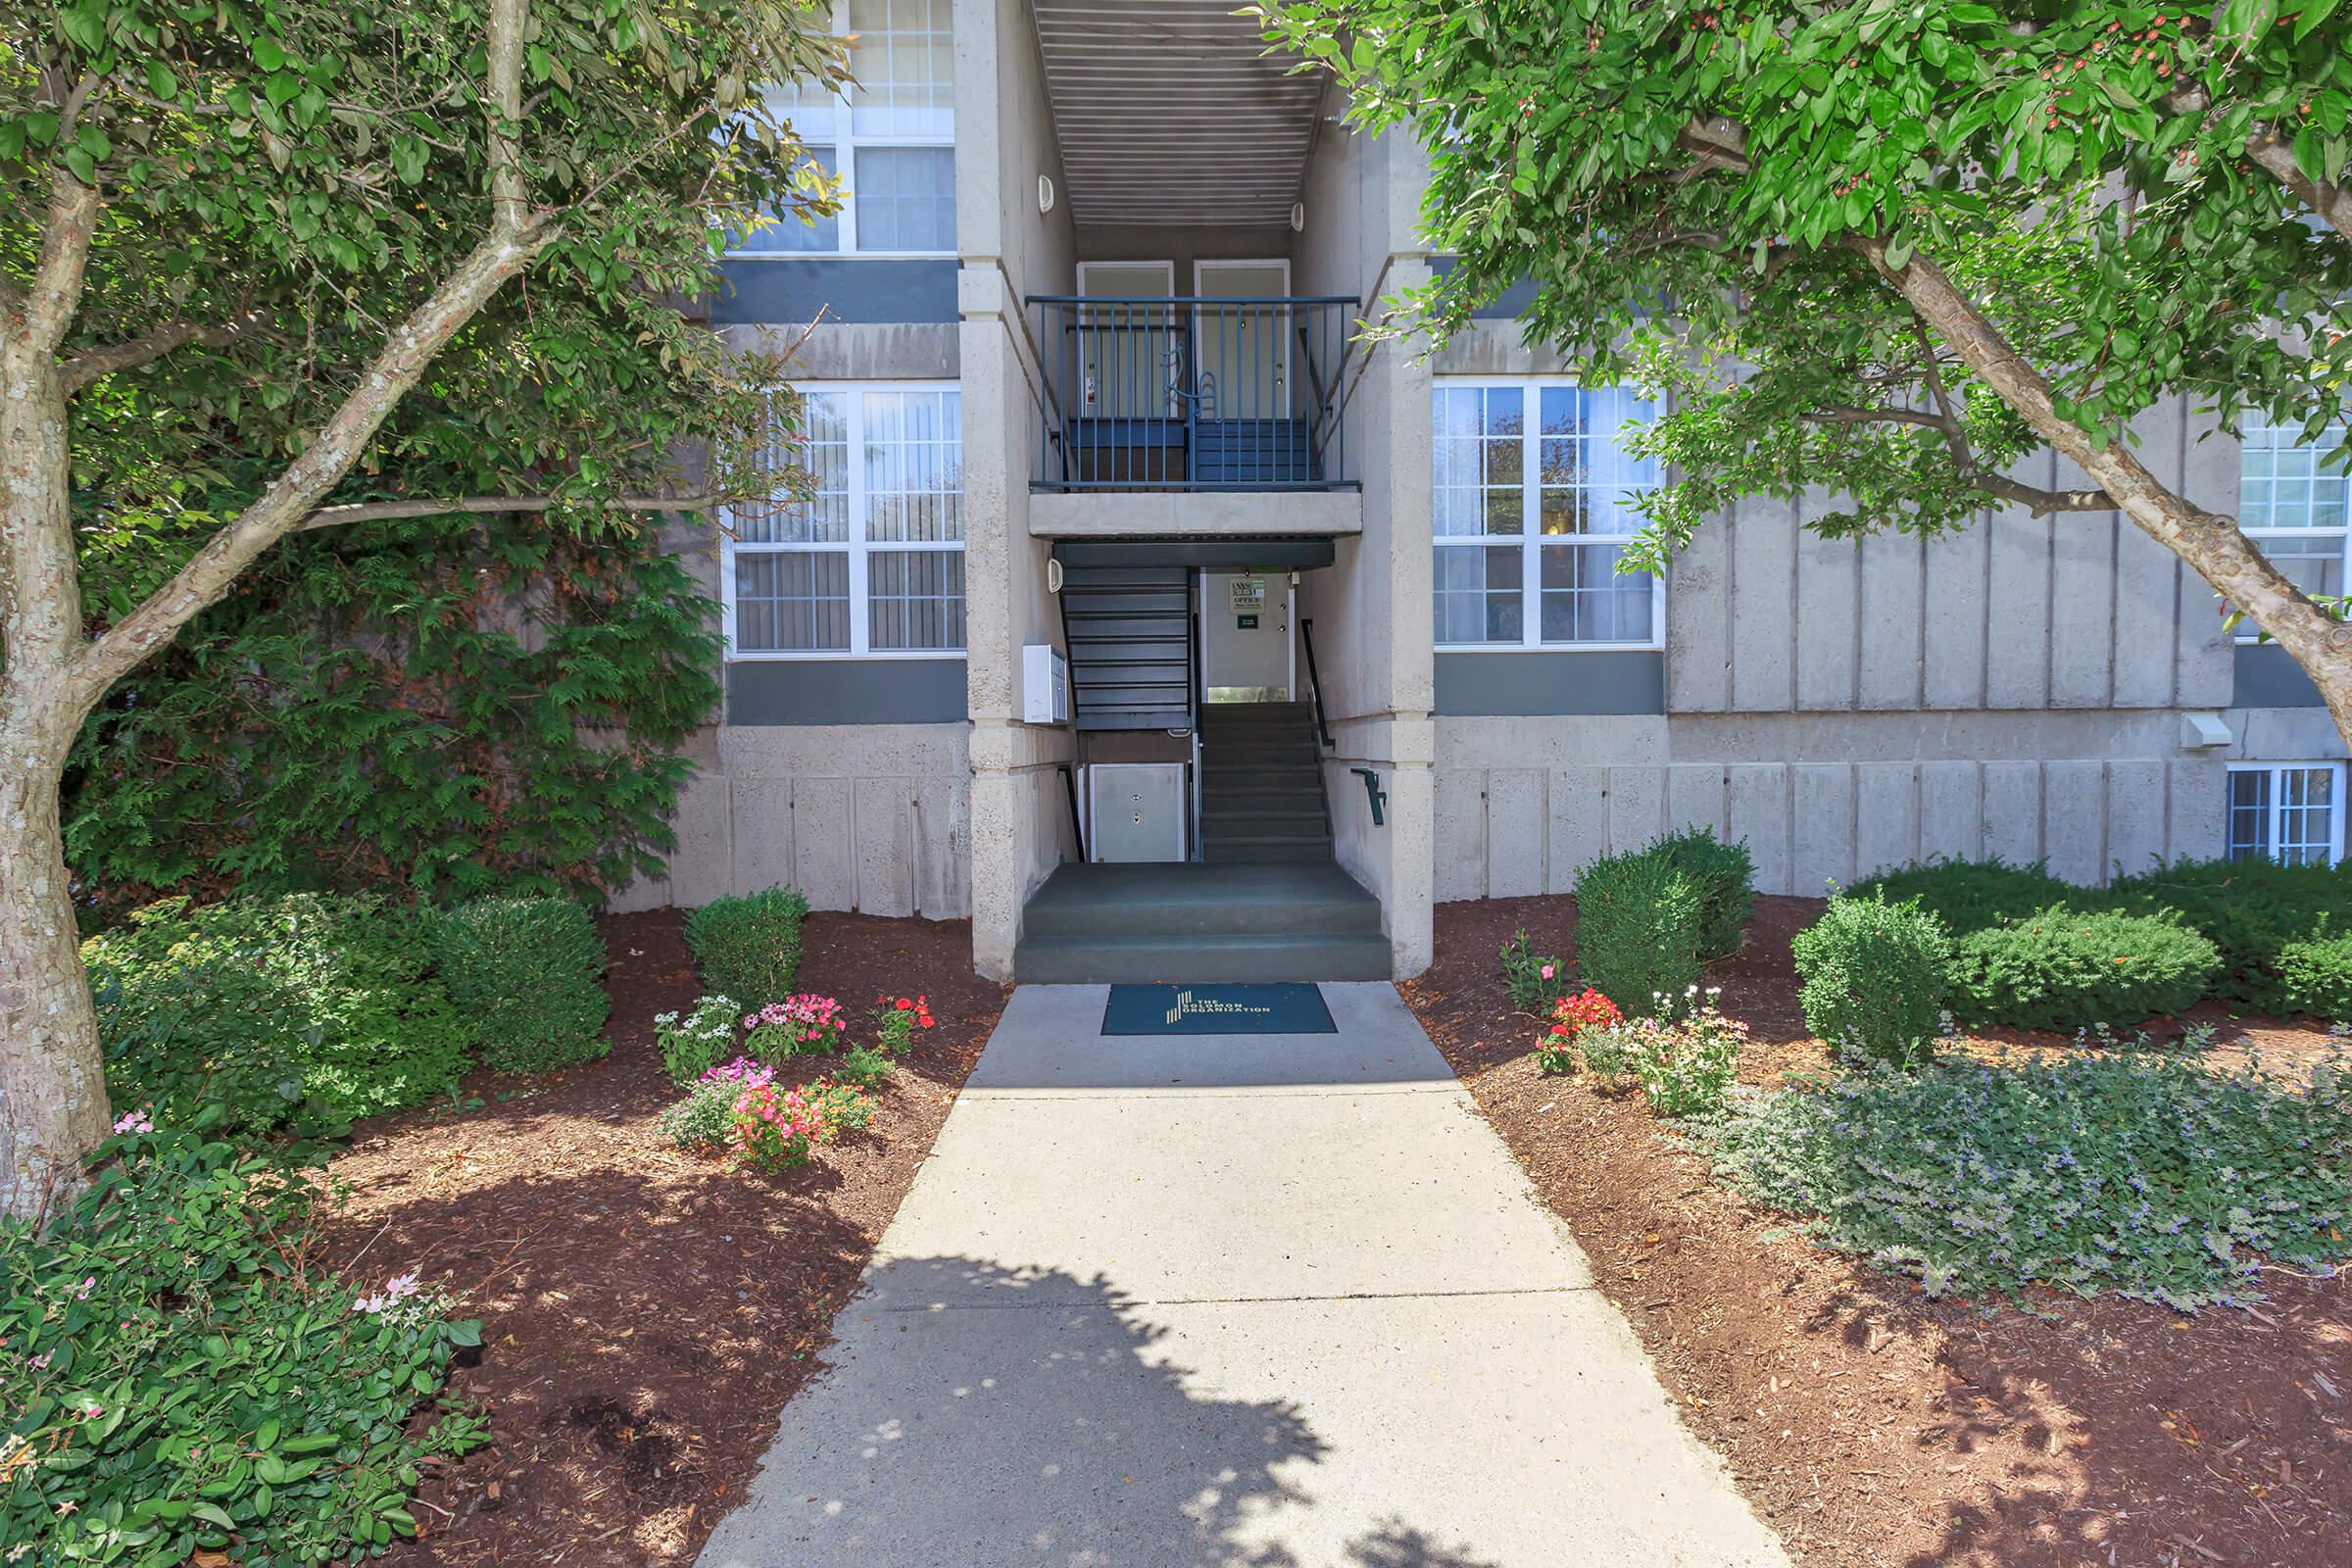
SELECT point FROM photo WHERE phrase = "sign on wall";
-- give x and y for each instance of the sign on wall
(1246, 596)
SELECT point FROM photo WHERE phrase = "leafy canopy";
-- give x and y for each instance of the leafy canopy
(1696, 190)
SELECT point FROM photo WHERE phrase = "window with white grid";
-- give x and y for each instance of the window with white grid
(1532, 508)
(890, 134)
(872, 562)
(2291, 500)
(2291, 812)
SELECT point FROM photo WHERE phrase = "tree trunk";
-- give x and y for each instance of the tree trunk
(53, 1108)
(2212, 543)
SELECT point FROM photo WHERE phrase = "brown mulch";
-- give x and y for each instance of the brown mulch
(1870, 1425)
(646, 1313)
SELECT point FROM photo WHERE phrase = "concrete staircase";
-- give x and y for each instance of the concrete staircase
(1261, 786)
(1193, 923)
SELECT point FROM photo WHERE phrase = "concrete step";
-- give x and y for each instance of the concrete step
(1265, 851)
(1231, 960)
(1176, 901)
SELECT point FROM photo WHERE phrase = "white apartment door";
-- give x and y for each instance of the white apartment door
(1131, 352)
(1246, 652)
(1244, 350)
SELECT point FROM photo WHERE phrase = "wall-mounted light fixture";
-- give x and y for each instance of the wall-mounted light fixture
(1044, 193)
(1297, 218)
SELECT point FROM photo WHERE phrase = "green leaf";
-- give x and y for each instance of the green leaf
(269, 53)
(159, 80)
(2314, 13)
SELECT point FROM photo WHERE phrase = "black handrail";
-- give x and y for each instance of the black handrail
(1069, 784)
(1315, 684)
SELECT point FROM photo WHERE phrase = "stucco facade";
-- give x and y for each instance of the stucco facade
(2043, 689)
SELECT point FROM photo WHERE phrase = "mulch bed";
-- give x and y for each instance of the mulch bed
(1868, 1424)
(646, 1313)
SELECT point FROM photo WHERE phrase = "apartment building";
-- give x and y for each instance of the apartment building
(1153, 619)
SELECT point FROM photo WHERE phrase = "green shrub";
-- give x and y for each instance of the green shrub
(1640, 933)
(749, 947)
(694, 1044)
(177, 1381)
(1724, 877)
(527, 977)
(2066, 969)
(2251, 909)
(1974, 895)
(2316, 977)
(1874, 978)
(304, 1008)
(2136, 1172)
(1535, 980)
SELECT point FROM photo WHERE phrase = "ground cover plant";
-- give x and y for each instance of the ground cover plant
(307, 1009)
(183, 1378)
(2135, 1171)
(748, 946)
(527, 975)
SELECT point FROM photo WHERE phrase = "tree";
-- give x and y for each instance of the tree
(1891, 246)
(271, 266)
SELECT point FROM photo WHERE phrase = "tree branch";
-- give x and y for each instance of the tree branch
(49, 304)
(515, 239)
(95, 364)
(443, 506)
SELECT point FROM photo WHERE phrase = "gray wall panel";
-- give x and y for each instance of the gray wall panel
(844, 691)
(844, 288)
(2266, 675)
(1530, 684)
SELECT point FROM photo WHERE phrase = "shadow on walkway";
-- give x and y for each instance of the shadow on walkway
(974, 1416)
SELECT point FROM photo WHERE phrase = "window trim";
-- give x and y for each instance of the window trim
(845, 141)
(857, 546)
(2249, 634)
(1531, 624)
(2335, 824)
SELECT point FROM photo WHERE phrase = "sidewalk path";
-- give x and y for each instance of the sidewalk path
(1236, 1301)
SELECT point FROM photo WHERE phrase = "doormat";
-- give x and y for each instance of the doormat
(1287, 1009)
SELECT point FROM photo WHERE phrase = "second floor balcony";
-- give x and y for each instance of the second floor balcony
(1194, 393)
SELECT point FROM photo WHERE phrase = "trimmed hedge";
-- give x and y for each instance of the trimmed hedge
(2251, 911)
(527, 977)
(2068, 968)
(1648, 921)
(301, 1009)
(1725, 876)
(749, 947)
(1972, 894)
(2317, 977)
(1874, 974)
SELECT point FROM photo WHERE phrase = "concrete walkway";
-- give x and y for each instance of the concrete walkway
(1265, 1301)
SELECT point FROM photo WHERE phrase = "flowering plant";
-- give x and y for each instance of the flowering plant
(1534, 981)
(691, 1045)
(771, 1129)
(802, 1025)
(1571, 1016)
(1685, 1066)
(896, 1021)
(701, 1121)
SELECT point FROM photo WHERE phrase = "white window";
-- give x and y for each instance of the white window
(872, 563)
(2291, 501)
(1530, 525)
(2291, 812)
(890, 135)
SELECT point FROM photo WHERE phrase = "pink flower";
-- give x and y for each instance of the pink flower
(135, 1122)
(1546, 972)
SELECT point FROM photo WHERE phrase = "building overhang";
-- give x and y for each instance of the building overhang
(1196, 515)
(1173, 113)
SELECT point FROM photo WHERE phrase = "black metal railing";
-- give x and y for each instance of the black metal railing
(1194, 393)
(1315, 684)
